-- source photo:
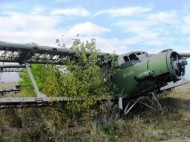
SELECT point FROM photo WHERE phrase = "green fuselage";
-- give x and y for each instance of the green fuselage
(144, 75)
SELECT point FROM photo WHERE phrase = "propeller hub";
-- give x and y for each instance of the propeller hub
(178, 65)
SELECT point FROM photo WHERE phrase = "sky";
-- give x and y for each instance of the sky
(117, 25)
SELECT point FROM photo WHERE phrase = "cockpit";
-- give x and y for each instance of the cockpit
(131, 57)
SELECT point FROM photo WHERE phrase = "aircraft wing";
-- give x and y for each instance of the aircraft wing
(5, 91)
(20, 53)
(12, 68)
(185, 55)
(32, 53)
(172, 85)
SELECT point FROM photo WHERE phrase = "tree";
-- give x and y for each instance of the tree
(81, 76)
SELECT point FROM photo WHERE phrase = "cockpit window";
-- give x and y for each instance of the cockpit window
(145, 53)
(139, 53)
(133, 57)
(126, 58)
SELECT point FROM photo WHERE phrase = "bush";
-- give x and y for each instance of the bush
(80, 77)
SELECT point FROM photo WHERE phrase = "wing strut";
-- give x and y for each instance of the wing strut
(39, 95)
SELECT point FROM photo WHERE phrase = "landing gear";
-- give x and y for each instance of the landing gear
(150, 101)
(155, 104)
(128, 107)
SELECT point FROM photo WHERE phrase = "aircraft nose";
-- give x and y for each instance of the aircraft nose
(183, 62)
(180, 67)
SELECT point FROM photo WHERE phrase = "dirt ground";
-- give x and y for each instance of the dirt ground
(176, 128)
(7, 86)
(10, 85)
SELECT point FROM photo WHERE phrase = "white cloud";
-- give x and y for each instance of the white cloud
(121, 46)
(87, 28)
(71, 12)
(164, 17)
(140, 28)
(37, 10)
(21, 21)
(127, 11)
(42, 29)
(186, 25)
(21, 27)
(152, 29)
(110, 45)
(132, 40)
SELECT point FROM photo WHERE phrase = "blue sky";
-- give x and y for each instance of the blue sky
(117, 25)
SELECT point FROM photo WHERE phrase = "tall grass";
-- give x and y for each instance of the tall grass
(104, 122)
